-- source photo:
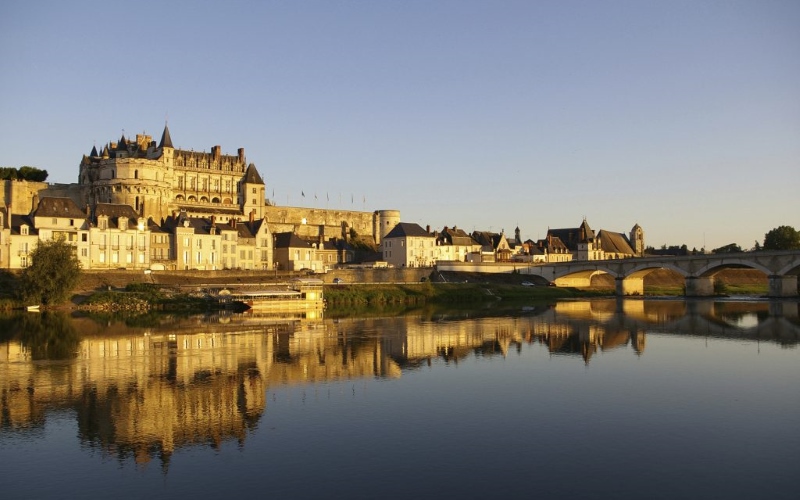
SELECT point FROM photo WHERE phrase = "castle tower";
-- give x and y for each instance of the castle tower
(384, 221)
(252, 195)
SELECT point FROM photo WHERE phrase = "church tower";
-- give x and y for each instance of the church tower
(637, 240)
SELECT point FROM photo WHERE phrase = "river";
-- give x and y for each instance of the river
(577, 399)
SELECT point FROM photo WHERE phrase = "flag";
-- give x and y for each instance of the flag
(315, 196)
(328, 196)
(303, 194)
(351, 198)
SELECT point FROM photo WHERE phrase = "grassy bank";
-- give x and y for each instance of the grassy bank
(141, 298)
(442, 293)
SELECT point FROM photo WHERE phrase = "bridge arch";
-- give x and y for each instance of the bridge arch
(791, 268)
(713, 268)
(580, 278)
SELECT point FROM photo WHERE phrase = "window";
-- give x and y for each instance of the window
(84, 252)
(84, 237)
(254, 190)
(55, 221)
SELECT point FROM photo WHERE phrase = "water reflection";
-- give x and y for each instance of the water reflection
(143, 390)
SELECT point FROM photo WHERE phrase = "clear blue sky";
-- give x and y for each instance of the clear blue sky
(683, 117)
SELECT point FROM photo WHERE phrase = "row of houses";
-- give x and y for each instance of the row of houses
(409, 245)
(114, 236)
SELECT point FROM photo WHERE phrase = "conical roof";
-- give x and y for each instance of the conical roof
(251, 176)
(166, 140)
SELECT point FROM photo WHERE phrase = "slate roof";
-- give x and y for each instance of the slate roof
(251, 175)
(408, 229)
(572, 236)
(114, 211)
(455, 236)
(18, 220)
(166, 140)
(488, 240)
(290, 240)
(614, 242)
(59, 207)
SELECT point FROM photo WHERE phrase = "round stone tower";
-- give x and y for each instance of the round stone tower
(384, 221)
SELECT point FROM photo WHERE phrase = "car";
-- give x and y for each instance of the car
(528, 283)
(338, 281)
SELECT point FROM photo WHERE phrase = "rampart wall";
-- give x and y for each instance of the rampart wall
(313, 222)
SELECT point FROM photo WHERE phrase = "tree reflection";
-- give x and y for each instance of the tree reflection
(47, 336)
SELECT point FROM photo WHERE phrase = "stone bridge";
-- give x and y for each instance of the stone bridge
(781, 268)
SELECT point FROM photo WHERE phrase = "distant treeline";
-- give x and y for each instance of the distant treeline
(23, 174)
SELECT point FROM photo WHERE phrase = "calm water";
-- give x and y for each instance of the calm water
(632, 399)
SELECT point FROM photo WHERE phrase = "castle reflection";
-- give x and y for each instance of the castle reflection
(142, 392)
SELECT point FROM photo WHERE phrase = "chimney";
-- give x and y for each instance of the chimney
(213, 220)
(428, 228)
(216, 152)
(252, 216)
(241, 155)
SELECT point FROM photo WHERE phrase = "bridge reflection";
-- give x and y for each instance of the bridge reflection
(141, 392)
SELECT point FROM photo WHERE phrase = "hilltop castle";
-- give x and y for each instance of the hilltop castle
(158, 180)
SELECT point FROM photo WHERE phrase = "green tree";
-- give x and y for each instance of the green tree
(53, 273)
(32, 174)
(25, 173)
(782, 238)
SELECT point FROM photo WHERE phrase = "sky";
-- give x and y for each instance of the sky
(681, 116)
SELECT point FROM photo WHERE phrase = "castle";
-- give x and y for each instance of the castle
(151, 187)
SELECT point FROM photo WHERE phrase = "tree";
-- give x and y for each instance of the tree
(24, 173)
(53, 273)
(782, 238)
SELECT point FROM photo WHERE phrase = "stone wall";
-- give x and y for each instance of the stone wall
(18, 195)
(313, 222)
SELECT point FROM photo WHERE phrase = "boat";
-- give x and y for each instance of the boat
(34, 308)
(298, 295)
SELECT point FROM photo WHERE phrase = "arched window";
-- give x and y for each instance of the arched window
(135, 174)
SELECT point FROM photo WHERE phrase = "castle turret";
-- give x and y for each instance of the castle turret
(253, 199)
(384, 221)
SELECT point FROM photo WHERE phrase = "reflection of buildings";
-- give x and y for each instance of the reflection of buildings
(145, 392)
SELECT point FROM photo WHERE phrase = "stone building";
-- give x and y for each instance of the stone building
(157, 180)
(586, 244)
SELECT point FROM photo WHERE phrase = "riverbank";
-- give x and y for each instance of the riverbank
(120, 290)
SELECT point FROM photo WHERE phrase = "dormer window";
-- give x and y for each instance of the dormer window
(123, 224)
(23, 230)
